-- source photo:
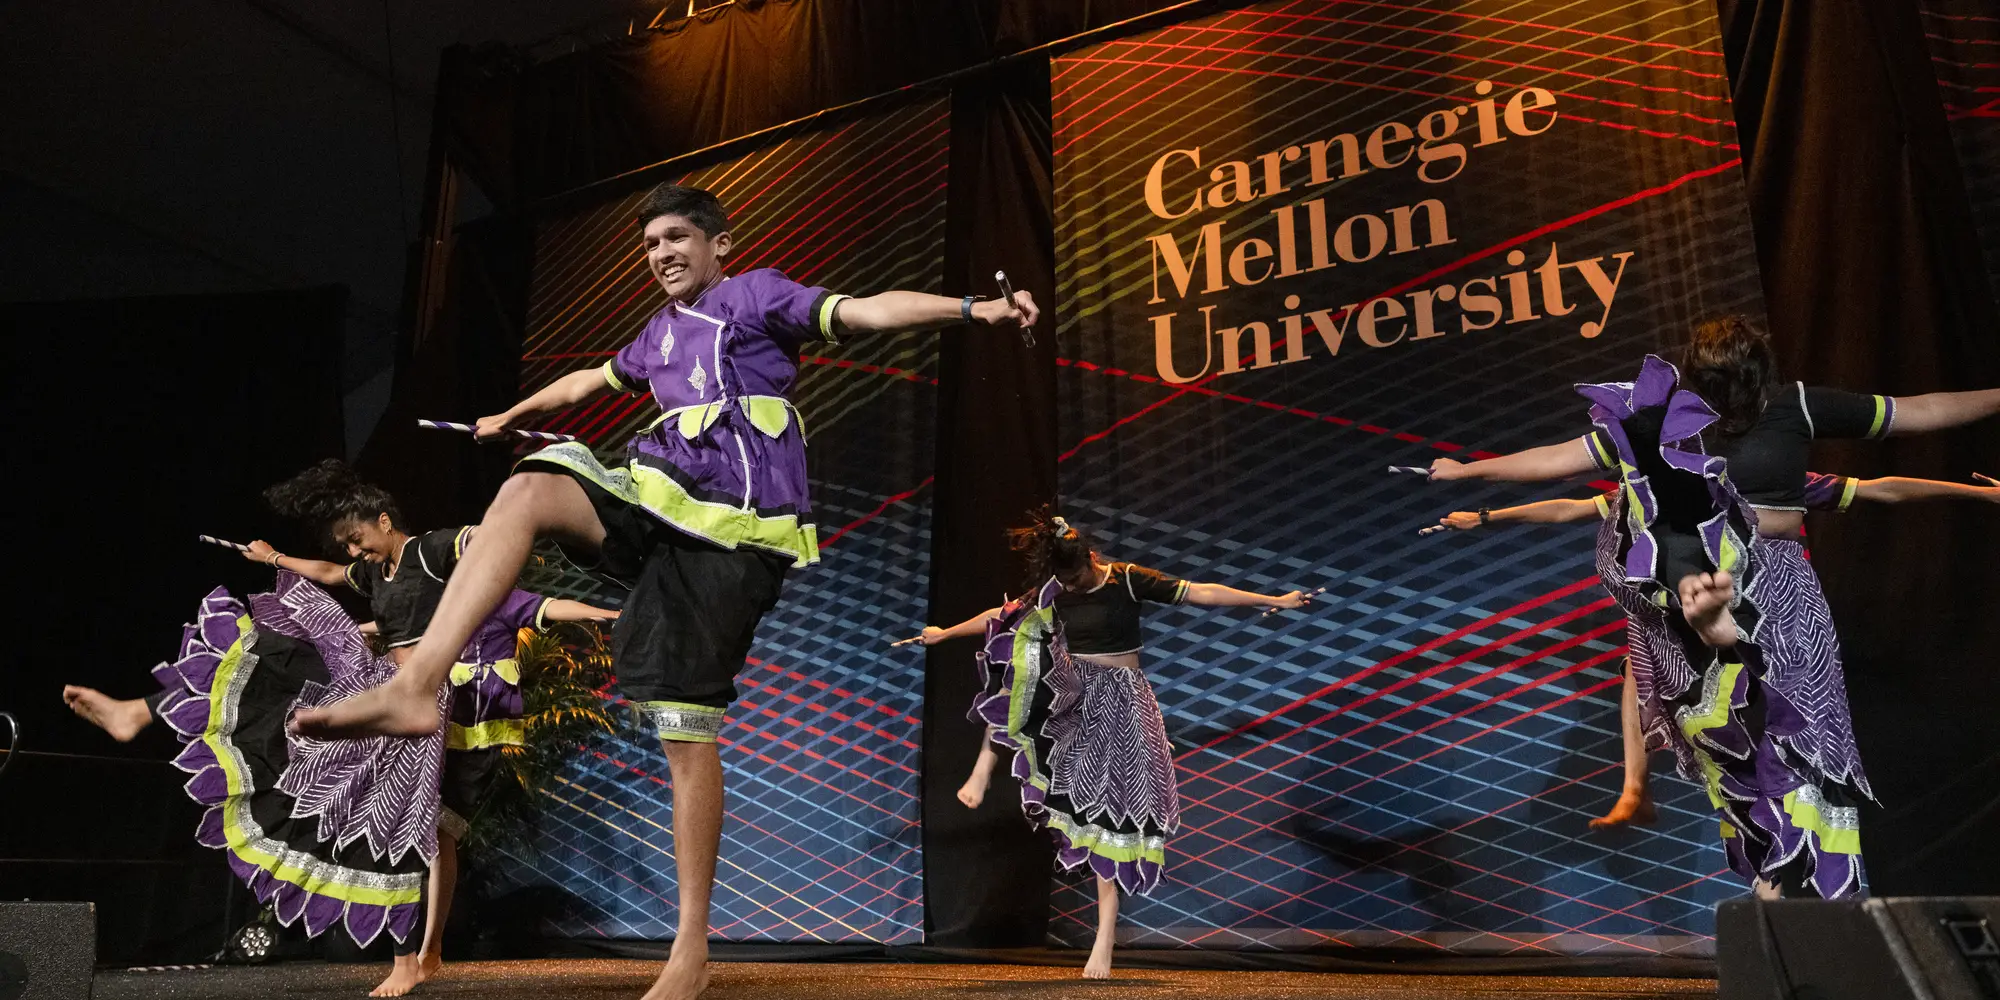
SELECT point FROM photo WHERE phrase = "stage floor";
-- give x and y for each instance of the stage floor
(624, 978)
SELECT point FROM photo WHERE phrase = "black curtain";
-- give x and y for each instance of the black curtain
(140, 423)
(1873, 281)
(986, 875)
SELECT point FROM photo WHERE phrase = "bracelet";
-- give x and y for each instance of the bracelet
(1485, 516)
(273, 560)
(965, 309)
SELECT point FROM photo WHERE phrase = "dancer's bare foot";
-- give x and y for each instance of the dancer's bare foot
(1705, 601)
(686, 974)
(1099, 965)
(973, 792)
(388, 710)
(1633, 809)
(407, 974)
(122, 719)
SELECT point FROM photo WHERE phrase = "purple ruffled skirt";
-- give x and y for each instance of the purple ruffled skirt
(339, 831)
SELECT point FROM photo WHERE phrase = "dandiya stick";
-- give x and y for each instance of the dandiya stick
(225, 543)
(1310, 594)
(446, 425)
(1007, 292)
(1415, 470)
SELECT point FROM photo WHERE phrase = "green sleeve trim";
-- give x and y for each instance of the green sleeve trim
(611, 376)
(1849, 487)
(825, 315)
(1603, 505)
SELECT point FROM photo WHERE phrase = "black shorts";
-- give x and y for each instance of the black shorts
(467, 776)
(688, 621)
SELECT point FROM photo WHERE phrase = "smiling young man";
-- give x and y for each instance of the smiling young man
(708, 512)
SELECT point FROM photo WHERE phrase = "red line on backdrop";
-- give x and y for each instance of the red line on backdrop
(797, 701)
(877, 512)
(758, 708)
(1415, 651)
(1570, 115)
(1578, 668)
(1108, 119)
(1391, 68)
(848, 194)
(1627, 908)
(890, 710)
(1533, 24)
(1488, 702)
(1513, 43)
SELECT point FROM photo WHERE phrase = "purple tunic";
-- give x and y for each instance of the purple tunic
(726, 462)
(486, 705)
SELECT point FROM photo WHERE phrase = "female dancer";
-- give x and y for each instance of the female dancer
(1064, 690)
(402, 576)
(1823, 492)
(1714, 481)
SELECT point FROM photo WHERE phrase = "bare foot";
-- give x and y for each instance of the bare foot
(388, 710)
(122, 719)
(685, 976)
(1705, 602)
(408, 972)
(973, 792)
(1099, 965)
(1633, 809)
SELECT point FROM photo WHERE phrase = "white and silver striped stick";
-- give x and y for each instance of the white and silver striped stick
(1415, 470)
(225, 543)
(446, 425)
(1432, 530)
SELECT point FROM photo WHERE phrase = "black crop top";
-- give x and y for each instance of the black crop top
(403, 605)
(1768, 462)
(1106, 620)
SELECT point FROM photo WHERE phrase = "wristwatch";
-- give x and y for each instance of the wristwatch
(1485, 516)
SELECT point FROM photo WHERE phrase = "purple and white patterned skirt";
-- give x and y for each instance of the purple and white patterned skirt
(331, 831)
(1090, 747)
(1764, 726)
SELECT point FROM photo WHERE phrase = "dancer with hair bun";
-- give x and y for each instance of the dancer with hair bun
(1064, 689)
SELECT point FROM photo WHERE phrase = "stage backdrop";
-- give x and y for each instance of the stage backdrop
(821, 752)
(1306, 240)
(1964, 40)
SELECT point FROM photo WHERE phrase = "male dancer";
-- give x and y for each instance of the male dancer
(702, 520)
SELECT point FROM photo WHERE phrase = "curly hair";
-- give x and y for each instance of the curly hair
(1729, 363)
(1053, 546)
(329, 493)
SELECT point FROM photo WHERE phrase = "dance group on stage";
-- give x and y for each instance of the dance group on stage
(338, 779)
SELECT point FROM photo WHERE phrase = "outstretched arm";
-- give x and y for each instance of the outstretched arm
(1897, 489)
(974, 625)
(894, 312)
(575, 611)
(563, 393)
(1539, 512)
(1550, 461)
(1215, 595)
(1936, 411)
(324, 573)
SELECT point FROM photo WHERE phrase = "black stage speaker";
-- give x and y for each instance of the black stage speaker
(47, 950)
(1908, 948)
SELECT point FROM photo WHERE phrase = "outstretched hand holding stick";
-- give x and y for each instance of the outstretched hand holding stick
(1304, 599)
(1007, 293)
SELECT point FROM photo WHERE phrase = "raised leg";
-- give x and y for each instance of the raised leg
(973, 791)
(696, 769)
(1635, 804)
(122, 719)
(531, 505)
(1099, 964)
